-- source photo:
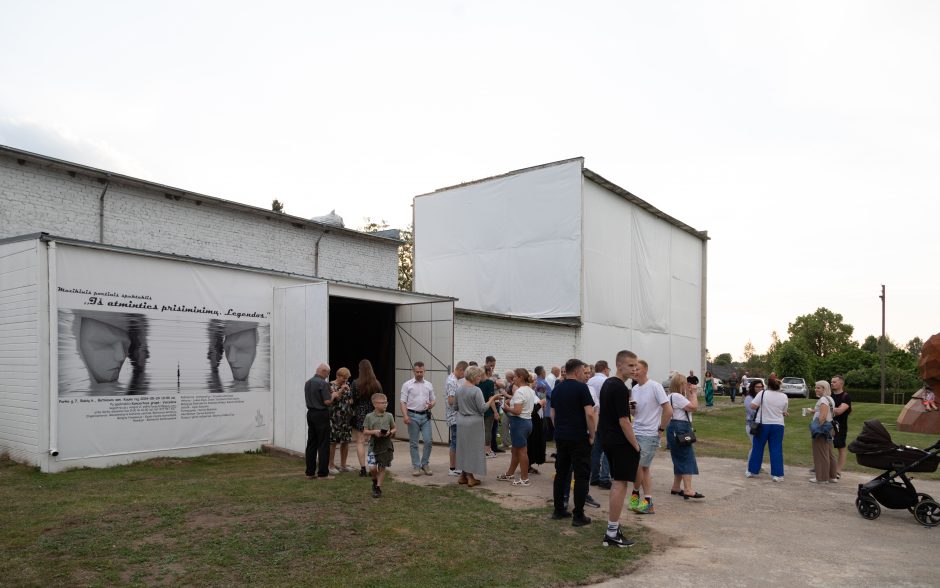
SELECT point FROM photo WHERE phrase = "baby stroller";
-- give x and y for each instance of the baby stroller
(893, 489)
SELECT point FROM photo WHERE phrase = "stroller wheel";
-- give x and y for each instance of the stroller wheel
(920, 498)
(868, 508)
(927, 513)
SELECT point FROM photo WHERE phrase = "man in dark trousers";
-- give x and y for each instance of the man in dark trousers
(319, 397)
(573, 415)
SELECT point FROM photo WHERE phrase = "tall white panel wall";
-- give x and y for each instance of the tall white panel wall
(487, 242)
(642, 285)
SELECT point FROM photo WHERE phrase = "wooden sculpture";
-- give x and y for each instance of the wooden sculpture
(917, 416)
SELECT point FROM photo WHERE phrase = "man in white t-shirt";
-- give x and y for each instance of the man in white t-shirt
(600, 469)
(552, 376)
(652, 415)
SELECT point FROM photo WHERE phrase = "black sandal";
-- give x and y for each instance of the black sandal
(688, 496)
(676, 492)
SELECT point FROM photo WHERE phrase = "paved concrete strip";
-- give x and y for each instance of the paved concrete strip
(746, 532)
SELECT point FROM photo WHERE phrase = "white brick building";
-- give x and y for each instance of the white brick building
(43, 195)
(139, 320)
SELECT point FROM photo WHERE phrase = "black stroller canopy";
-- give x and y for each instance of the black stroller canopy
(874, 438)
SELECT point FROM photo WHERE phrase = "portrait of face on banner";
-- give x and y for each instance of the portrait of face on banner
(114, 353)
(157, 354)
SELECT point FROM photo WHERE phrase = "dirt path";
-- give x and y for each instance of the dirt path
(746, 532)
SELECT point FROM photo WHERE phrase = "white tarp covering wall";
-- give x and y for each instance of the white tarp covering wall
(642, 285)
(480, 245)
(156, 354)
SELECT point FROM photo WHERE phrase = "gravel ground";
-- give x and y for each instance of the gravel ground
(746, 532)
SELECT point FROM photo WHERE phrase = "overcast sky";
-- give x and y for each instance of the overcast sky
(803, 136)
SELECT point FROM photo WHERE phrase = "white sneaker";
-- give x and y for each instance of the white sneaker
(454, 472)
(777, 478)
(490, 455)
(813, 481)
(748, 475)
(334, 470)
(426, 470)
(416, 472)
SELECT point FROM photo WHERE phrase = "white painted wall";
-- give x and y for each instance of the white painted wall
(20, 340)
(43, 198)
(514, 343)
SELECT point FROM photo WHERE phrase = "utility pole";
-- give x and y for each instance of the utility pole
(883, 341)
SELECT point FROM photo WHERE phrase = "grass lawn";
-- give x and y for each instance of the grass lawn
(254, 519)
(720, 432)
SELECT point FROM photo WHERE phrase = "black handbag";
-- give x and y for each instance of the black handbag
(755, 426)
(683, 439)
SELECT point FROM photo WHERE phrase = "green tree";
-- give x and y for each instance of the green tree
(914, 346)
(406, 251)
(792, 359)
(749, 351)
(723, 359)
(843, 362)
(406, 259)
(277, 205)
(821, 333)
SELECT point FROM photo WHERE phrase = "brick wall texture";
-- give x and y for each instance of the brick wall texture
(37, 198)
(514, 343)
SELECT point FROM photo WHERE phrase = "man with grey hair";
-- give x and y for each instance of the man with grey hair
(319, 398)
(453, 382)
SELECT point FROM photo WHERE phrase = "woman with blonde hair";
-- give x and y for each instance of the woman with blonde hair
(519, 409)
(824, 462)
(340, 417)
(471, 457)
(684, 402)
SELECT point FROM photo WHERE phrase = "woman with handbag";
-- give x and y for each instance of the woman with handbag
(750, 392)
(680, 437)
(824, 461)
(772, 406)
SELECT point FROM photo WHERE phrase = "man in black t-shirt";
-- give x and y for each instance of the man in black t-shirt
(573, 415)
(620, 444)
(841, 415)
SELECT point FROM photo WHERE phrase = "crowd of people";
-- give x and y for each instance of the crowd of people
(606, 427)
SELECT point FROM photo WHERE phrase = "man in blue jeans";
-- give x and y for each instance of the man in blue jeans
(417, 400)
(573, 414)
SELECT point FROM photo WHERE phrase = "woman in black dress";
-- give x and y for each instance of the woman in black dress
(362, 390)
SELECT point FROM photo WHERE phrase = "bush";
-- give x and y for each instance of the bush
(874, 395)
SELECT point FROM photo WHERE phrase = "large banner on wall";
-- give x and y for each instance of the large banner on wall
(156, 354)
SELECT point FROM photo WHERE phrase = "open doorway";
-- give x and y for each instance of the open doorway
(361, 329)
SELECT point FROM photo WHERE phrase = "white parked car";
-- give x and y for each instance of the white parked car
(794, 387)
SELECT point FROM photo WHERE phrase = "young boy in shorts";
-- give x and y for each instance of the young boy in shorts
(379, 425)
